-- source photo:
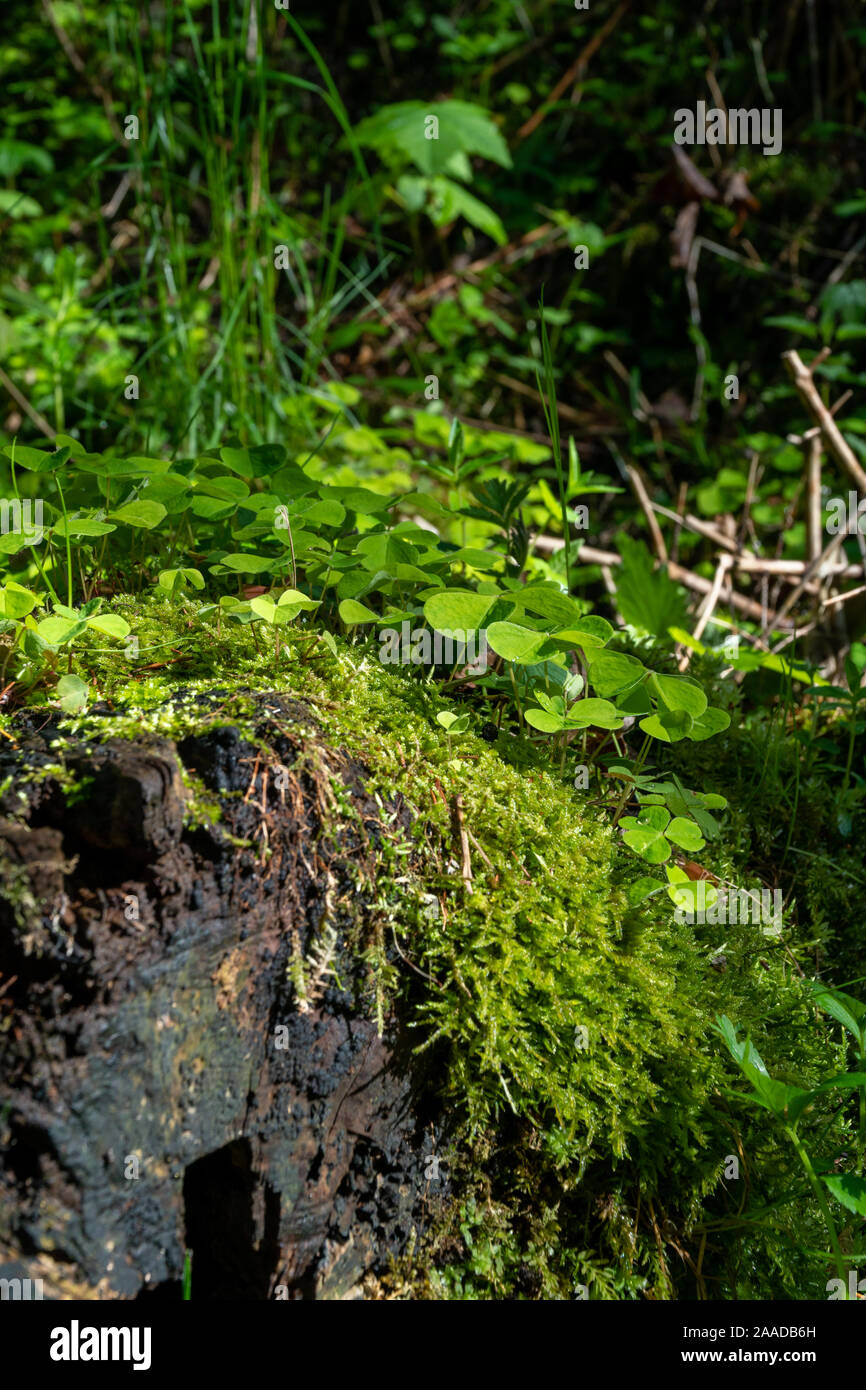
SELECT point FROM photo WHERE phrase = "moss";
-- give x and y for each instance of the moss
(570, 1036)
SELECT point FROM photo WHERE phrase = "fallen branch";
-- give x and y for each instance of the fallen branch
(838, 446)
(589, 555)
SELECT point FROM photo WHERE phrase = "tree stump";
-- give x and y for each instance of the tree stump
(165, 1086)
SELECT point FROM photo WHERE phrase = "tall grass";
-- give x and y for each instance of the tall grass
(225, 340)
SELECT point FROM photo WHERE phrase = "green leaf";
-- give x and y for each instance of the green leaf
(845, 1009)
(295, 599)
(600, 713)
(678, 693)
(72, 694)
(519, 644)
(683, 892)
(385, 551)
(81, 526)
(56, 630)
(545, 721)
(639, 891)
(449, 200)
(246, 564)
(454, 723)
(109, 623)
(613, 673)
(142, 515)
(175, 580)
(548, 601)
(685, 834)
(635, 702)
(646, 596)
(645, 834)
(16, 601)
(402, 132)
(712, 721)
(352, 612)
(669, 726)
(36, 460)
(848, 1190)
(458, 610)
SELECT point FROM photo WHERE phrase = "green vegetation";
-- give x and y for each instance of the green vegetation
(402, 405)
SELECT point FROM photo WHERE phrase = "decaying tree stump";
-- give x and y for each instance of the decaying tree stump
(164, 1085)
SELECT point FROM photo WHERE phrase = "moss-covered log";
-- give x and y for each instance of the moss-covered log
(166, 1084)
(363, 1004)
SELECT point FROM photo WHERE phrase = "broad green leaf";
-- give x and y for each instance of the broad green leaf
(72, 693)
(36, 460)
(295, 599)
(142, 515)
(646, 596)
(669, 726)
(16, 601)
(712, 721)
(247, 564)
(352, 612)
(685, 834)
(385, 551)
(613, 673)
(109, 623)
(545, 721)
(645, 834)
(639, 891)
(686, 894)
(449, 200)
(678, 693)
(587, 633)
(81, 526)
(264, 608)
(55, 630)
(600, 713)
(402, 133)
(519, 644)
(635, 702)
(173, 580)
(848, 1190)
(458, 610)
(845, 1009)
(454, 723)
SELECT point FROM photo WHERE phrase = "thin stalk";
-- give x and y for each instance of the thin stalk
(547, 391)
(68, 545)
(822, 1203)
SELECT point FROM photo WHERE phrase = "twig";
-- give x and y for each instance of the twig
(801, 375)
(843, 598)
(646, 507)
(707, 607)
(589, 555)
(39, 420)
(466, 870)
(574, 72)
(813, 497)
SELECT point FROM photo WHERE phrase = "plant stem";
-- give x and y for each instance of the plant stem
(822, 1203)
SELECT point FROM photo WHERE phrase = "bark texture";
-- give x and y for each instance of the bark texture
(163, 1086)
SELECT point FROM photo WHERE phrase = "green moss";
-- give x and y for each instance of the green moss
(569, 1037)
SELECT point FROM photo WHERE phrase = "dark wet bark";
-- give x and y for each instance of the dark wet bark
(146, 1104)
